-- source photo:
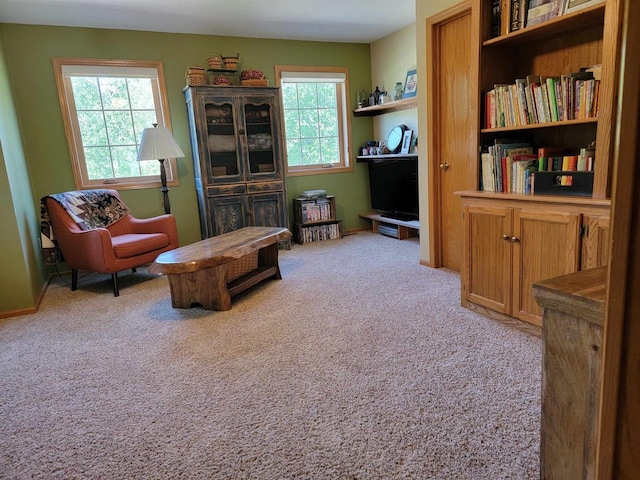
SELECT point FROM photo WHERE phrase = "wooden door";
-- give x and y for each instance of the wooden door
(452, 130)
(595, 241)
(487, 276)
(546, 245)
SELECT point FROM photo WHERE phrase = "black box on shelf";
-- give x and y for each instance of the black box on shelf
(563, 183)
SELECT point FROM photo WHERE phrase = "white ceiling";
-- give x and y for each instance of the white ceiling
(359, 21)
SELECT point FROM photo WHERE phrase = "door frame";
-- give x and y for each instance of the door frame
(619, 415)
(434, 109)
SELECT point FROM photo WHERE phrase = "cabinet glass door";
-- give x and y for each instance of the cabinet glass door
(222, 143)
(258, 115)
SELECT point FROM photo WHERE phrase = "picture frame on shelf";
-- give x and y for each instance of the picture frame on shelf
(410, 83)
(406, 141)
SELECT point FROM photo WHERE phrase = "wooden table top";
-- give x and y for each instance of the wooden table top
(217, 250)
(581, 294)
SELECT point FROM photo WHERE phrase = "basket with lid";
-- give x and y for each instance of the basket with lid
(230, 63)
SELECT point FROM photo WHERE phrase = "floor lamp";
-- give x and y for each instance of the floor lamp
(158, 144)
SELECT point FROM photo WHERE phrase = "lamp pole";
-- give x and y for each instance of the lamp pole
(164, 189)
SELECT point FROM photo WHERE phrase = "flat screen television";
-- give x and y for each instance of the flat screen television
(394, 187)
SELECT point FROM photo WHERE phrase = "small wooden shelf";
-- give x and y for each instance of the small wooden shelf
(533, 126)
(589, 17)
(320, 224)
(387, 156)
(222, 70)
(381, 223)
(546, 199)
(396, 106)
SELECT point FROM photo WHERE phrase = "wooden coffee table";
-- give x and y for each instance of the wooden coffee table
(213, 270)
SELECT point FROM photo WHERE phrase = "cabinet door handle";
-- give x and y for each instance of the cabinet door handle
(444, 166)
(506, 237)
(515, 239)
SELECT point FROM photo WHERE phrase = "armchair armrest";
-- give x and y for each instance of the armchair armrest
(87, 249)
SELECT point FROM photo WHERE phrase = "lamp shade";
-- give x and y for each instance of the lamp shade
(157, 143)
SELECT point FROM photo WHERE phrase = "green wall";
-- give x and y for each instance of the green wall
(34, 158)
(29, 50)
(23, 275)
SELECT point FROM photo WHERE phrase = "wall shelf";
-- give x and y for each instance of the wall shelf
(386, 156)
(393, 227)
(398, 105)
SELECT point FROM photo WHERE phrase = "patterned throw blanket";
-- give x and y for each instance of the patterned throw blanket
(89, 209)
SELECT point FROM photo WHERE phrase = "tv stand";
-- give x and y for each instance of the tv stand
(393, 227)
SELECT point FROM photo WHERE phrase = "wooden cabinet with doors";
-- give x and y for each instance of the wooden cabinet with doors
(236, 138)
(514, 243)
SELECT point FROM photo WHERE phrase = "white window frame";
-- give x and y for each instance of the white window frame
(64, 68)
(339, 75)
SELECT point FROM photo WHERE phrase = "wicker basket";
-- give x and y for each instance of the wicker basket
(242, 266)
(257, 82)
(214, 63)
(231, 63)
(195, 76)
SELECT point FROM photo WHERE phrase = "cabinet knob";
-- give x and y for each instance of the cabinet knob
(444, 166)
(515, 239)
(506, 237)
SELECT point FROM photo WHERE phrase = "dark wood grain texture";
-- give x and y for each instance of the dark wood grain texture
(198, 272)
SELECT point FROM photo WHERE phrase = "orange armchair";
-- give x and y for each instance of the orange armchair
(126, 244)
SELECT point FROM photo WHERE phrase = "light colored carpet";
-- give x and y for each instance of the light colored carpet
(358, 364)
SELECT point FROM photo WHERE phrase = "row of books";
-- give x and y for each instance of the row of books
(538, 99)
(316, 210)
(510, 166)
(511, 15)
(318, 232)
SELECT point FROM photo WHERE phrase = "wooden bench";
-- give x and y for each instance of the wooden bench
(213, 270)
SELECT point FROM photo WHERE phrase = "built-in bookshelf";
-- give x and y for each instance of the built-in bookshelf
(543, 169)
(550, 84)
(315, 219)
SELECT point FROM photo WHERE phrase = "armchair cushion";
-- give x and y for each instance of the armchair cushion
(132, 244)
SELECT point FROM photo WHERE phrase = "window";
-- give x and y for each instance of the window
(106, 104)
(317, 126)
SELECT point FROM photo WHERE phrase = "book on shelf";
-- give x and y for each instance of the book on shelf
(495, 167)
(315, 210)
(318, 233)
(505, 16)
(518, 14)
(537, 99)
(495, 18)
(539, 11)
(522, 168)
(571, 6)
(510, 166)
(512, 15)
(547, 156)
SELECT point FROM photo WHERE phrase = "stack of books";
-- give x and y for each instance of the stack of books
(510, 166)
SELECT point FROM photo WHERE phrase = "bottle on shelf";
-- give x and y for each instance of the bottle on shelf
(360, 99)
(397, 91)
(376, 96)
